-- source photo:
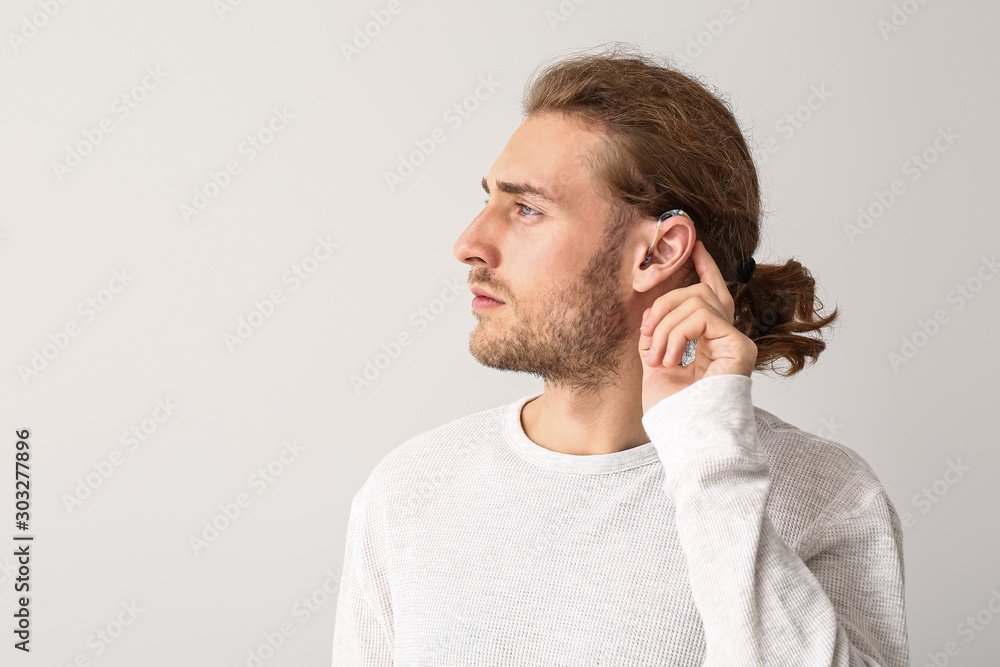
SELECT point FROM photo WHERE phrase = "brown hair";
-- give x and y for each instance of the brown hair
(669, 142)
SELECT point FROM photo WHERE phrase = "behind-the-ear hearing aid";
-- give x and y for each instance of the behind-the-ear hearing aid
(689, 349)
(659, 223)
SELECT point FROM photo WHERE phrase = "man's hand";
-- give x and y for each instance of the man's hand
(703, 311)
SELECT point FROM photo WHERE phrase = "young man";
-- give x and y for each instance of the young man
(637, 511)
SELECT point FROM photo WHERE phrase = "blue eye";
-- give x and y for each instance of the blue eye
(523, 207)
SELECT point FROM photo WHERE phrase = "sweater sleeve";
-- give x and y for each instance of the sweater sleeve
(363, 627)
(760, 604)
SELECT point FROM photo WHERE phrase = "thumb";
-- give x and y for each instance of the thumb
(645, 340)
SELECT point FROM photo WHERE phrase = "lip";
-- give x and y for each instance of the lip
(479, 291)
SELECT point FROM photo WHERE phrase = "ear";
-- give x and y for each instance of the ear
(670, 253)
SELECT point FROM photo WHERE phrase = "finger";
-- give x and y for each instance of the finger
(644, 338)
(673, 300)
(661, 330)
(717, 340)
(691, 328)
(709, 274)
(658, 337)
(655, 314)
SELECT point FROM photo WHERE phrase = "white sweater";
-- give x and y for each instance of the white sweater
(733, 538)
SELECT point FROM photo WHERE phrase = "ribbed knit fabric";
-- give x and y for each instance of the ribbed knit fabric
(732, 538)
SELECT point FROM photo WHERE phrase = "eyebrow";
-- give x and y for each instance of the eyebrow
(522, 189)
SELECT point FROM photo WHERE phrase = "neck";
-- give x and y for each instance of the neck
(593, 420)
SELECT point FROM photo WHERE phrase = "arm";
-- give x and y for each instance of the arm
(363, 631)
(760, 603)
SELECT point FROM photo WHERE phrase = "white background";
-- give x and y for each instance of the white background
(63, 234)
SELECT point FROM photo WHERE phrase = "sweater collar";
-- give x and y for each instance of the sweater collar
(585, 464)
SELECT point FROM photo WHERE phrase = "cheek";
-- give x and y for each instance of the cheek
(538, 268)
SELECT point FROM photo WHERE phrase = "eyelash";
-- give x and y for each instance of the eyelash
(520, 205)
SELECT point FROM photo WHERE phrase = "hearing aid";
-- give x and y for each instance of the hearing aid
(689, 349)
(659, 223)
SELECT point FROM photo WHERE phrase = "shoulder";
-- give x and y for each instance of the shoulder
(427, 457)
(816, 482)
(798, 452)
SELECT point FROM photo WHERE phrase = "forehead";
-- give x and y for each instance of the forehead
(553, 151)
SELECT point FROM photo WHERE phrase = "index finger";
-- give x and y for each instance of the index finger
(709, 273)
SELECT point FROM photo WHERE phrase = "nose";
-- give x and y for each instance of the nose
(473, 247)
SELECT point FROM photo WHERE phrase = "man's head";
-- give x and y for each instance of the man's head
(610, 141)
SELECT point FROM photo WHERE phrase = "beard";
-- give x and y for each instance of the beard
(572, 335)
